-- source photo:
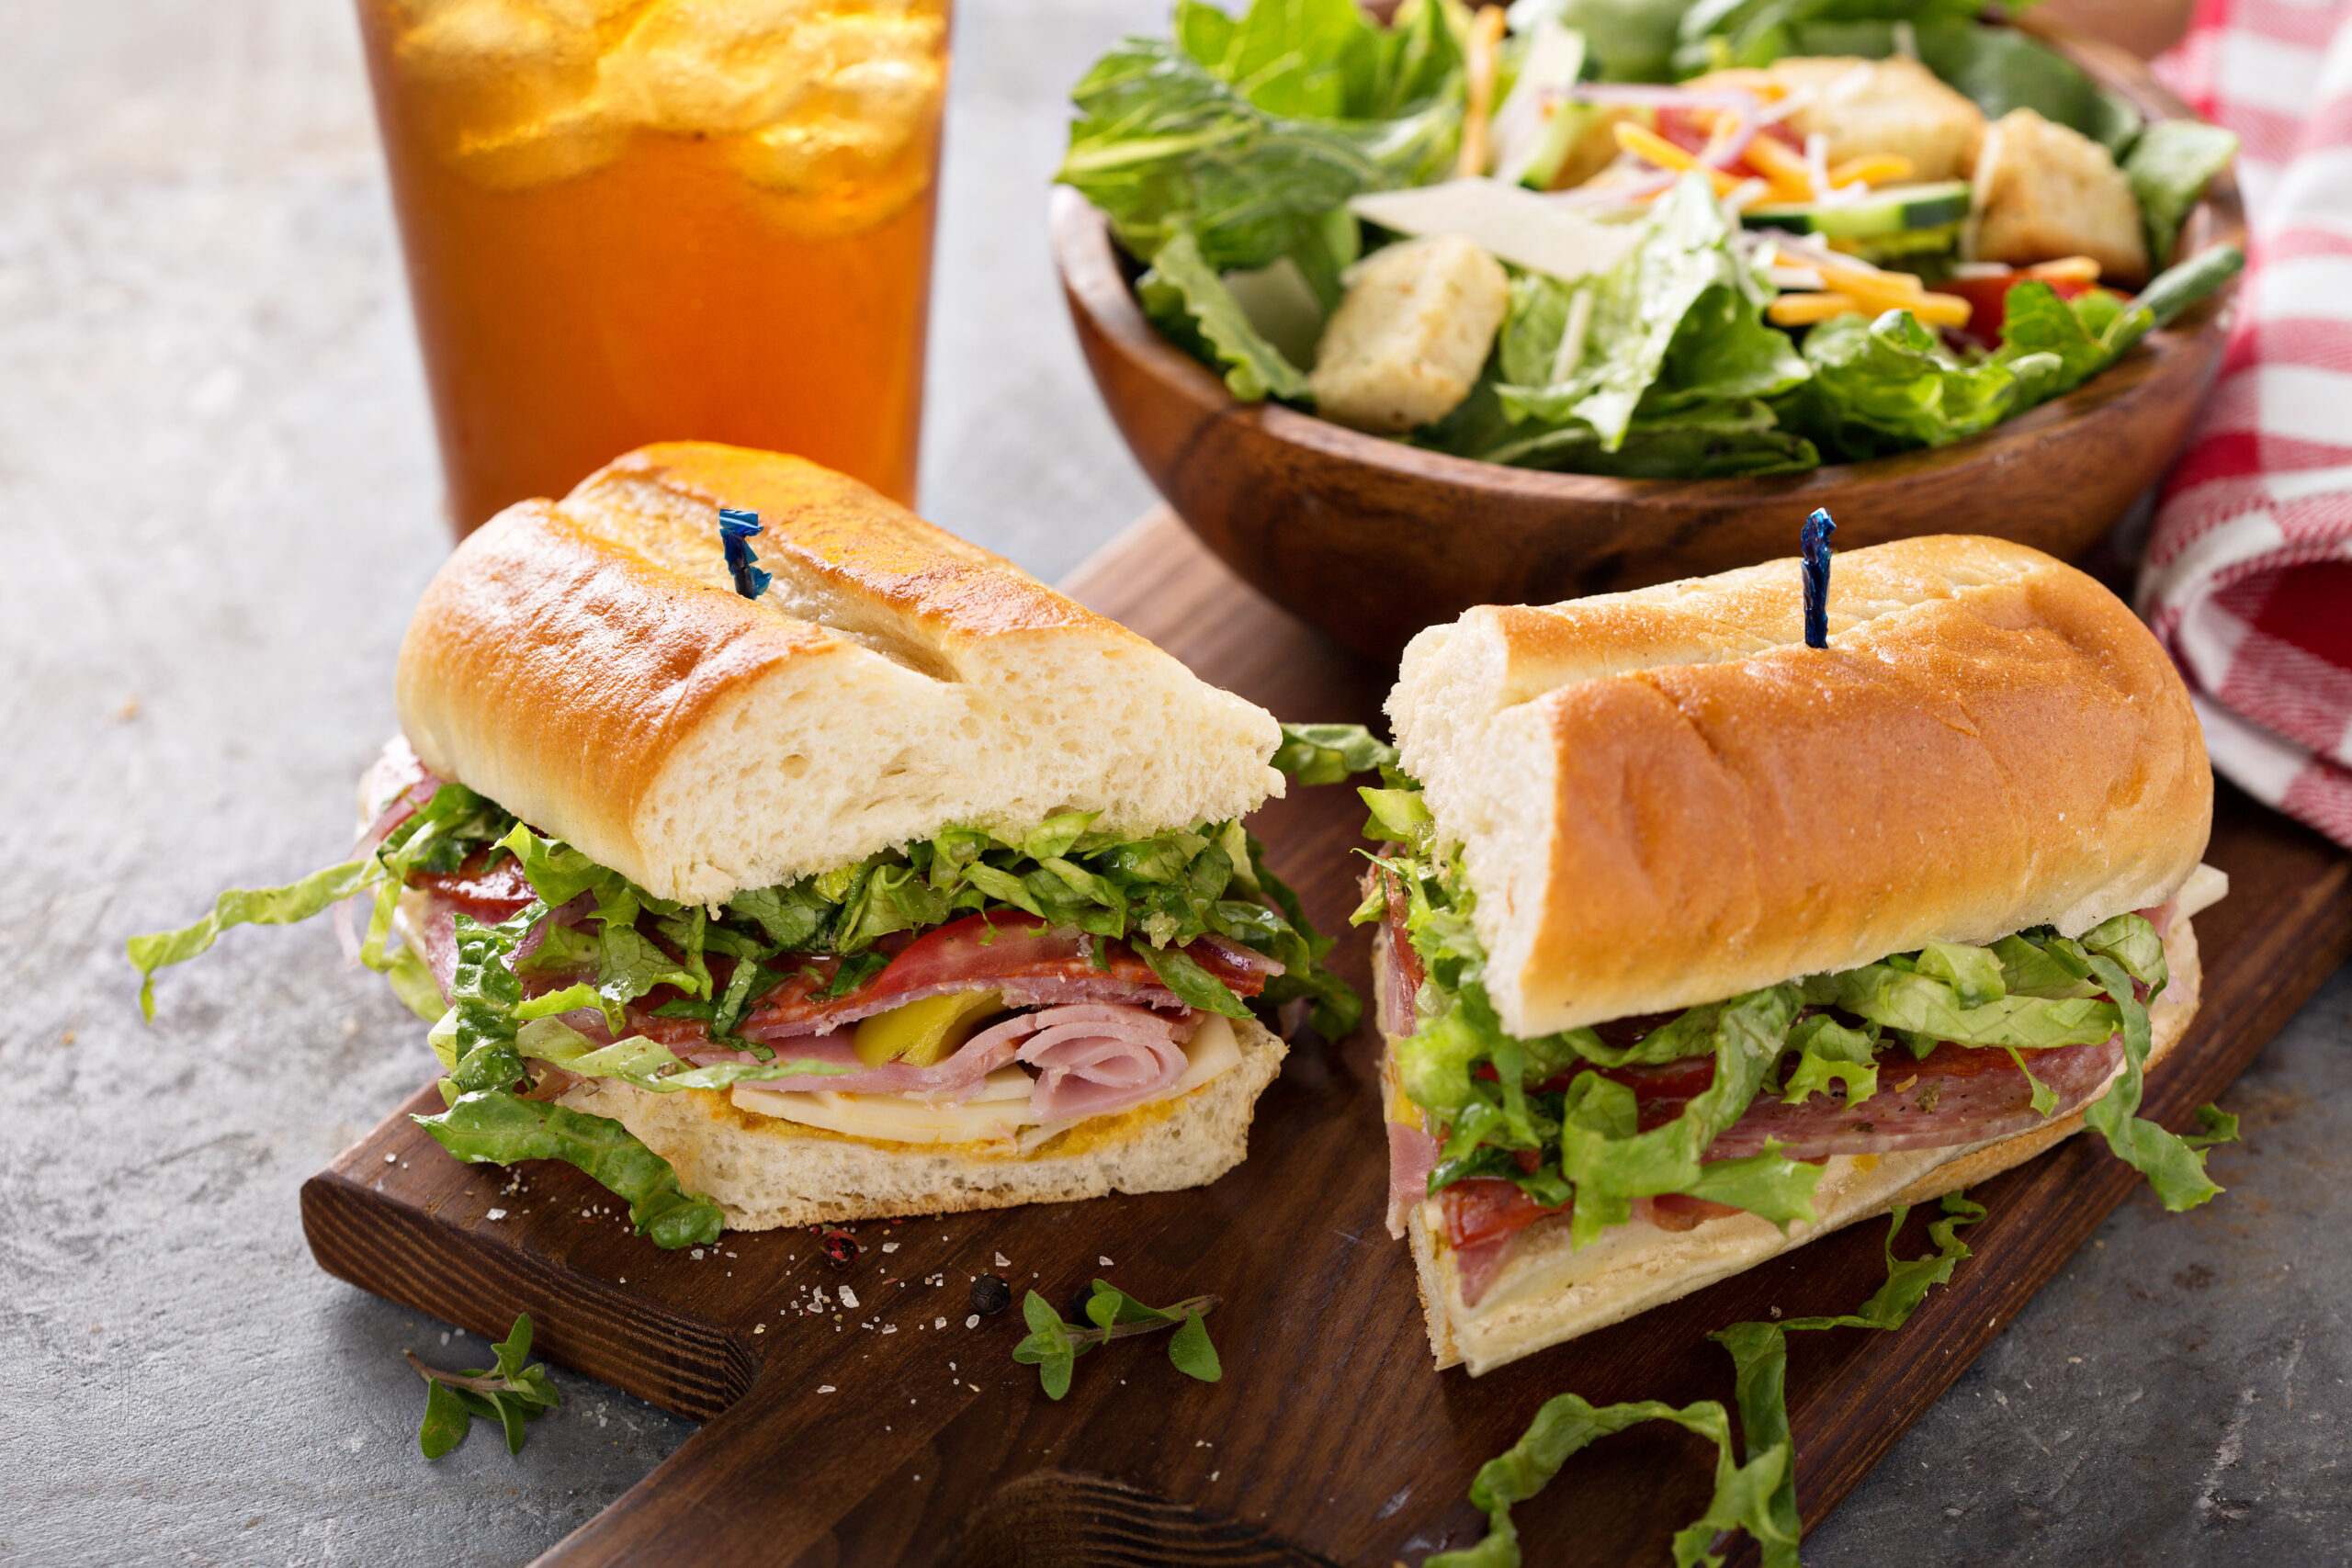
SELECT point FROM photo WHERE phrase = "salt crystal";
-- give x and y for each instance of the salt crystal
(971, 1322)
(696, 1254)
(940, 1324)
(848, 1298)
(759, 1328)
(495, 1214)
(889, 1328)
(391, 1159)
(889, 1247)
(1104, 1261)
(824, 1388)
(1002, 1261)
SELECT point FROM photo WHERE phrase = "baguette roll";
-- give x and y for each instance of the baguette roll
(1664, 798)
(588, 664)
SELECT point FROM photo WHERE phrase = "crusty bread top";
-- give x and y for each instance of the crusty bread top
(587, 664)
(1665, 798)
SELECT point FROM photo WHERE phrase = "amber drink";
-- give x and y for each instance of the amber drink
(667, 219)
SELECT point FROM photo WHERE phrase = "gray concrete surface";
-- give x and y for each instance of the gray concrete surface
(217, 501)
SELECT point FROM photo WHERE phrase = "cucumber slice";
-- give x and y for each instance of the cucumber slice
(1889, 211)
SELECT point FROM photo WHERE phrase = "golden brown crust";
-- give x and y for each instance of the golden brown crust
(498, 687)
(588, 665)
(1668, 803)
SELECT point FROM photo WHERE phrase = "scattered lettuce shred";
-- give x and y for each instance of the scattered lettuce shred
(492, 1126)
(1525, 1111)
(1757, 1495)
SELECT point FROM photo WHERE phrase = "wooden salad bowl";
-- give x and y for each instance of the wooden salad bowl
(1369, 540)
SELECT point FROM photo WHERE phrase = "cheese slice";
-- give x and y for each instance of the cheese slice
(998, 1113)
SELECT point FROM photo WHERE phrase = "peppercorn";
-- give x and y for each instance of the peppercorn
(990, 1294)
(841, 1248)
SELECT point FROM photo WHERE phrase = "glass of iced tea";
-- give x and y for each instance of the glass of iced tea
(634, 221)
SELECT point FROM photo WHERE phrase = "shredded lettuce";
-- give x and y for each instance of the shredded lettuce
(247, 905)
(1759, 1496)
(1567, 1423)
(1759, 1356)
(495, 1127)
(1494, 1099)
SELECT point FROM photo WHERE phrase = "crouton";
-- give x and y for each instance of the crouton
(1406, 342)
(1862, 106)
(2044, 191)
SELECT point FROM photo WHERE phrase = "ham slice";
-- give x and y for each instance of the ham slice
(1092, 1060)
(1413, 1155)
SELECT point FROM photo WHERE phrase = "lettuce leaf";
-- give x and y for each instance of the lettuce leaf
(495, 1127)
(1682, 314)
(1889, 385)
(2174, 1169)
(1827, 1053)
(1172, 133)
(648, 1064)
(247, 905)
(1186, 298)
(2169, 167)
(1567, 1423)
(1611, 1165)
(1760, 1358)
(1330, 754)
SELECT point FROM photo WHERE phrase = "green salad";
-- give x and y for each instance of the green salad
(1647, 238)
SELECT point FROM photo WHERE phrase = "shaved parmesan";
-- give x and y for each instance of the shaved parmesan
(1508, 221)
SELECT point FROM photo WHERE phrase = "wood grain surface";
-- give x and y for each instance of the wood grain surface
(1369, 540)
(1330, 1438)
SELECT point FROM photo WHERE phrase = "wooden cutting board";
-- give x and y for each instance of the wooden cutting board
(1330, 1438)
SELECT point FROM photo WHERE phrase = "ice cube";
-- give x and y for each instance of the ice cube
(716, 66)
(864, 144)
(504, 91)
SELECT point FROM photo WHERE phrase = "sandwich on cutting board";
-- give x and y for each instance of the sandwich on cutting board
(1698, 942)
(825, 870)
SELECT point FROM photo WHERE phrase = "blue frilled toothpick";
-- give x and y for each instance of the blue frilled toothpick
(1814, 542)
(735, 531)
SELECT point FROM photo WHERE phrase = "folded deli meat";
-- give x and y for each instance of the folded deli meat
(1695, 941)
(852, 874)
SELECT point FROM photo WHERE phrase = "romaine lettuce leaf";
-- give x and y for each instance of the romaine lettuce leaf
(1759, 1356)
(498, 1128)
(1186, 299)
(1251, 165)
(247, 905)
(1827, 1053)
(1889, 385)
(1611, 1166)
(2174, 1169)
(1684, 272)
(1920, 1004)
(1567, 1423)
(648, 1064)
(1330, 754)
(2169, 167)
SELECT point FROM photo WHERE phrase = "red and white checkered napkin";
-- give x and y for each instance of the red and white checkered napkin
(2249, 576)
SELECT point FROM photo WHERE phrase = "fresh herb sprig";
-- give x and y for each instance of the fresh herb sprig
(1053, 1345)
(509, 1392)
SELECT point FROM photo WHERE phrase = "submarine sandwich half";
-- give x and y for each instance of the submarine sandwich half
(1697, 941)
(856, 874)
